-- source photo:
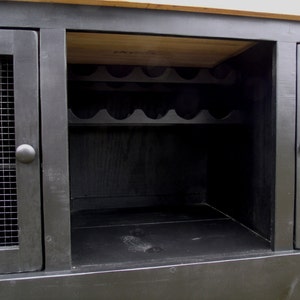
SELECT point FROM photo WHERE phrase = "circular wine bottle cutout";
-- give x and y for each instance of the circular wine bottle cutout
(119, 71)
(154, 71)
(153, 105)
(220, 113)
(119, 107)
(187, 105)
(83, 70)
(88, 108)
(155, 112)
(187, 73)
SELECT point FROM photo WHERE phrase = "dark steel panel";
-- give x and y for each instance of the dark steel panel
(110, 19)
(285, 145)
(28, 257)
(55, 149)
(265, 278)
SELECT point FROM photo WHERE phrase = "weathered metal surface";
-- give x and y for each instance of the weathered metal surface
(297, 150)
(274, 277)
(265, 278)
(105, 19)
(28, 256)
(54, 128)
(285, 145)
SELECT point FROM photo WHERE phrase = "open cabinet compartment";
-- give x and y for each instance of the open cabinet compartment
(171, 149)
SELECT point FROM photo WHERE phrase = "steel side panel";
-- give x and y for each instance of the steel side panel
(28, 257)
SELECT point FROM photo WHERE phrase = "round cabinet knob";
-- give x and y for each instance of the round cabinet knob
(25, 154)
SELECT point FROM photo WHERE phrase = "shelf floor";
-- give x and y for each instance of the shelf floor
(144, 237)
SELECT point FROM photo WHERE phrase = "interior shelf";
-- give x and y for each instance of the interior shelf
(222, 74)
(139, 118)
(137, 236)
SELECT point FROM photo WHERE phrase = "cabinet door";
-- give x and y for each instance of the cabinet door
(20, 208)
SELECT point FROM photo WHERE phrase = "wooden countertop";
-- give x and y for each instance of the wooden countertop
(275, 9)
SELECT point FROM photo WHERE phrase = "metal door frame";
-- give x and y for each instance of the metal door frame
(27, 256)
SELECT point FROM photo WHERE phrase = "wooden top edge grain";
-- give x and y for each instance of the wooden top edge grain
(107, 48)
(197, 9)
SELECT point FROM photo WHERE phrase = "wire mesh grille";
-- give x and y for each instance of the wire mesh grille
(8, 188)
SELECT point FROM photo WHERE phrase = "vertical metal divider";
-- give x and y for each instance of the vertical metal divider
(54, 129)
(297, 161)
(285, 146)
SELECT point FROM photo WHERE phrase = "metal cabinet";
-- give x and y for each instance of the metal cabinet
(20, 205)
(37, 65)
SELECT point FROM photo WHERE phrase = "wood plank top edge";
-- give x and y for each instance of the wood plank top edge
(155, 6)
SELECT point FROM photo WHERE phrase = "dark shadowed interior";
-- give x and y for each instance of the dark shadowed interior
(171, 164)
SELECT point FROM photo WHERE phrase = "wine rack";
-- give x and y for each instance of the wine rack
(128, 95)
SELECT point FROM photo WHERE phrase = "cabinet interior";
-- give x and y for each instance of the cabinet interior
(171, 143)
